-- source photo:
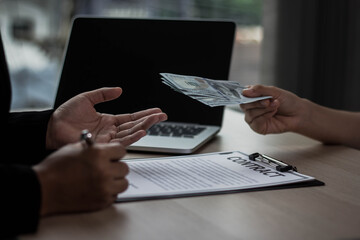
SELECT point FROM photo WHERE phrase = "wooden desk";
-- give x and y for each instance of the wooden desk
(327, 212)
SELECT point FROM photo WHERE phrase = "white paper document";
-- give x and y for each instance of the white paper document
(201, 174)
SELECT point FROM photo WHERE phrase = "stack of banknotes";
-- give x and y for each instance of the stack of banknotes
(213, 93)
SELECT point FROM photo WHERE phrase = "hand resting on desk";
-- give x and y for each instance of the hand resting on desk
(77, 178)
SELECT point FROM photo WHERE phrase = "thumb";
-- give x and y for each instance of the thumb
(261, 90)
(103, 94)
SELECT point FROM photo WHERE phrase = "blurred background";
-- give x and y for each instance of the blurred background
(35, 33)
(310, 47)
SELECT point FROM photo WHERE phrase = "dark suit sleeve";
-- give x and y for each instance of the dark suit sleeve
(24, 146)
(23, 142)
(26, 137)
(20, 200)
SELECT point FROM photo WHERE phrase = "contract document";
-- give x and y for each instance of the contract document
(203, 174)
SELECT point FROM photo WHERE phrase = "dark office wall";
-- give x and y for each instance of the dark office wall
(312, 48)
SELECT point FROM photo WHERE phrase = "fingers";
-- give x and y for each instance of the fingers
(103, 94)
(254, 114)
(261, 90)
(141, 124)
(260, 108)
(119, 170)
(119, 183)
(105, 155)
(130, 117)
(260, 123)
(259, 104)
(257, 109)
(131, 138)
(133, 131)
(115, 171)
(119, 186)
(111, 151)
(93, 175)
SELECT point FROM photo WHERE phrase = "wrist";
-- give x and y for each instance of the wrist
(305, 113)
(44, 182)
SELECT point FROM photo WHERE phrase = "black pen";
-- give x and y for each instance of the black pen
(87, 137)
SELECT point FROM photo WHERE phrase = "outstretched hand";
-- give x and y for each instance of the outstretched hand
(282, 113)
(79, 113)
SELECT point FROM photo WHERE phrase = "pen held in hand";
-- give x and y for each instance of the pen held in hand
(87, 137)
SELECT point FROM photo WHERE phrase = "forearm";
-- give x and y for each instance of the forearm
(329, 125)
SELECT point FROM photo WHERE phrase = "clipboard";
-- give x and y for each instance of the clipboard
(190, 176)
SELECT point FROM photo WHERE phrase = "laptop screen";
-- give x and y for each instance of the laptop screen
(130, 53)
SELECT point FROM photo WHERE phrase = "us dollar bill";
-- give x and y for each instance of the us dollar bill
(208, 91)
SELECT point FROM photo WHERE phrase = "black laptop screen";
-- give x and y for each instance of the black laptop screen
(130, 53)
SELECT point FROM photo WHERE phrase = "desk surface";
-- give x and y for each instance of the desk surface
(326, 212)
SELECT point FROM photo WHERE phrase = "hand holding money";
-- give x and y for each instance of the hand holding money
(213, 93)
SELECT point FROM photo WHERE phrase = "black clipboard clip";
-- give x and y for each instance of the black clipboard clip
(279, 165)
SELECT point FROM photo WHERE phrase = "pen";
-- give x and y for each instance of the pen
(87, 137)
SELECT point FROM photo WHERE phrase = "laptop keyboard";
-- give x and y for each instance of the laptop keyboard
(175, 130)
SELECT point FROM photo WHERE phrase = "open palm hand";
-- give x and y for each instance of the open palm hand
(79, 113)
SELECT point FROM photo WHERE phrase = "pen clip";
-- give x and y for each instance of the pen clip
(87, 137)
(279, 165)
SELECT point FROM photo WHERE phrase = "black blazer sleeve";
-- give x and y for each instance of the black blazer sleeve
(20, 200)
(26, 137)
(23, 142)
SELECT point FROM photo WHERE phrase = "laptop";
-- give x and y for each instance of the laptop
(131, 54)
